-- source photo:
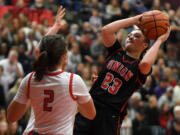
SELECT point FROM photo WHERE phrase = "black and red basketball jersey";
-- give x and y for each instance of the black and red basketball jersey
(118, 79)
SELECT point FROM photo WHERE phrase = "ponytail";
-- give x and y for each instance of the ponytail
(51, 48)
(40, 66)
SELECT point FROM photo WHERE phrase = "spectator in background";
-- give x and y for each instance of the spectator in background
(126, 127)
(164, 115)
(24, 60)
(86, 77)
(20, 39)
(97, 47)
(126, 9)
(155, 77)
(171, 54)
(85, 49)
(175, 28)
(13, 129)
(134, 101)
(12, 92)
(174, 128)
(152, 113)
(140, 125)
(2, 92)
(3, 51)
(38, 4)
(85, 10)
(70, 40)
(176, 92)
(166, 98)
(113, 11)
(177, 17)
(31, 45)
(74, 57)
(95, 19)
(2, 114)
(74, 29)
(79, 68)
(146, 90)
(156, 5)
(161, 89)
(12, 68)
(3, 128)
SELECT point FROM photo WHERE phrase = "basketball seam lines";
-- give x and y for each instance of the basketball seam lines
(156, 20)
(156, 28)
(155, 24)
(151, 15)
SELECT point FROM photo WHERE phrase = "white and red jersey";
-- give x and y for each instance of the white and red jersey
(54, 101)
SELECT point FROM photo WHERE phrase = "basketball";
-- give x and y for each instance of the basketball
(153, 24)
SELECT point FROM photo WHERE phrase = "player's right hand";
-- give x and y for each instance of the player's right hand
(165, 36)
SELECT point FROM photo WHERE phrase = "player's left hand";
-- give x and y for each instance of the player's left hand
(60, 14)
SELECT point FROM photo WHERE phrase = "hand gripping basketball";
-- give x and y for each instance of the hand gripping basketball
(153, 24)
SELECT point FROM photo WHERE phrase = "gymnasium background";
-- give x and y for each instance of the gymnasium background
(24, 22)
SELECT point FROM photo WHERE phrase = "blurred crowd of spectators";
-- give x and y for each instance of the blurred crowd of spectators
(153, 110)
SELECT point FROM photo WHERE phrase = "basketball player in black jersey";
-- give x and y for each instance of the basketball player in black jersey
(122, 73)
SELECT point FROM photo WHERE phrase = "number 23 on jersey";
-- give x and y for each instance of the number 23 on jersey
(108, 80)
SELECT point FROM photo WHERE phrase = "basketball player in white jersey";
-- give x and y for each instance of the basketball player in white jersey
(54, 94)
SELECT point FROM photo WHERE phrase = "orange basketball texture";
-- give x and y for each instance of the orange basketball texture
(154, 24)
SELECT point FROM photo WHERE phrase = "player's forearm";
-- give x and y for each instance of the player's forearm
(149, 58)
(117, 25)
(53, 30)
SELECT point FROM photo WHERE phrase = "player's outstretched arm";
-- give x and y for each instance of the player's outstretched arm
(108, 31)
(151, 55)
(57, 25)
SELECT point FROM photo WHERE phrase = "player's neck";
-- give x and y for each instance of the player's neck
(134, 55)
(58, 67)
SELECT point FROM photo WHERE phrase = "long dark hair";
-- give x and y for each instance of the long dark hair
(52, 47)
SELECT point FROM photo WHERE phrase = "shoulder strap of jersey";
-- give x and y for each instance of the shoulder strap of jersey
(70, 86)
(29, 81)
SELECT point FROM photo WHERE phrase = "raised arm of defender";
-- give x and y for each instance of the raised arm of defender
(56, 27)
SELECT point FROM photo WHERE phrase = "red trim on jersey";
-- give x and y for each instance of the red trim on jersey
(55, 73)
(118, 50)
(28, 90)
(127, 61)
(30, 133)
(118, 128)
(70, 86)
(137, 80)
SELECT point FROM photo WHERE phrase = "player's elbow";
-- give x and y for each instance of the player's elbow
(105, 31)
(145, 67)
(10, 118)
(92, 115)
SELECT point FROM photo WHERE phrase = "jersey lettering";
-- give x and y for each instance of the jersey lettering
(116, 83)
(47, 100)
(119, 68)
(108, 79)
(115, 66)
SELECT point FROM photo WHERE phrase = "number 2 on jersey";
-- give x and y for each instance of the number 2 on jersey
(116, 83)
(48, 99)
